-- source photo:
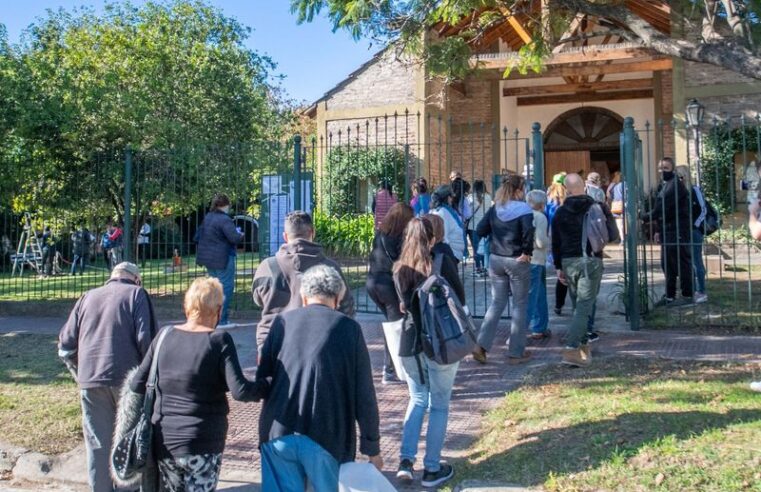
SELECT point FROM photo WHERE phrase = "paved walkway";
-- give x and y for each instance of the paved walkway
(478, 387)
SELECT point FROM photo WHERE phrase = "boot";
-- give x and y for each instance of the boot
(575, 357)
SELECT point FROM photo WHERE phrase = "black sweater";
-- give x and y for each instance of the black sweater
(386, 250)
(567, 228)
(195, 371)
(321, 382)
(671, 210)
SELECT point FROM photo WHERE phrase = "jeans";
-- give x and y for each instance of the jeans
(226, 277)
(537, 300)
(48, 254)
(432, 395)
(80, 261)
(288, 461)
(382, 292)
(98, 417)
(697, 260)
(507, 274)
(474, 239)
(584, 276)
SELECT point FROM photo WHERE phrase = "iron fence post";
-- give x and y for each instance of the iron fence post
(297, 172)
(406, 173)
(631, 196)
(128, 204)
(538, 168)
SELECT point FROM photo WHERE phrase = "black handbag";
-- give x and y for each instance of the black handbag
(131, 455)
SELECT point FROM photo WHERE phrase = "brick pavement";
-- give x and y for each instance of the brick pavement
(480, 387)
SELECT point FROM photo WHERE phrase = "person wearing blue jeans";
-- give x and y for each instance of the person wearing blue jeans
(537, 298)
(226, 277)
(430, 391)
(217, 239)
(286, 460)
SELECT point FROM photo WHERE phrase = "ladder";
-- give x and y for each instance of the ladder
(29, 251)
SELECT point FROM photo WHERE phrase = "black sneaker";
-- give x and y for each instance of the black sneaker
(433, 479)
(405, 472)
(592, 336)
(559, 311)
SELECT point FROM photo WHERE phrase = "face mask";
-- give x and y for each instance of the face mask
(667, 175)
(226, 209)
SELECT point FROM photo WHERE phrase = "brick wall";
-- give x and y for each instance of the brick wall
(385, 81)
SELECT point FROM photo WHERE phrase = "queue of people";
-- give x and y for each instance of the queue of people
(313, 367)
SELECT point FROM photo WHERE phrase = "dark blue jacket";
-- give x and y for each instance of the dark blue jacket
(216, 239)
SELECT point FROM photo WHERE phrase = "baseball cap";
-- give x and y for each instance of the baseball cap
(125, 267)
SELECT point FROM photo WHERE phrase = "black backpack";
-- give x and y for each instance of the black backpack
(712, 221)
(447, 328)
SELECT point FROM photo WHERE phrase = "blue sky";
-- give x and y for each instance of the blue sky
(311, 56)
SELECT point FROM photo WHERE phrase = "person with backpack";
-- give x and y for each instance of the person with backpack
(615, 193)
(580, 229)
(480, 201)
(387, 246)
(429, 382)
(509, 225)
(698, 216)
(454, 231)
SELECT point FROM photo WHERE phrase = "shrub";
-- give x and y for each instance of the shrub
(348, 168)
(350, 235)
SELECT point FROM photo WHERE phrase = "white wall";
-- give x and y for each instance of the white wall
(513, 116)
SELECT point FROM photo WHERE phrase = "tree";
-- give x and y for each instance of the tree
(726, 33)
(172, 80)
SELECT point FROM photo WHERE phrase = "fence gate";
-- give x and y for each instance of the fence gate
(668, 236)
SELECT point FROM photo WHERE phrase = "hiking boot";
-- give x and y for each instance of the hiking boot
(434, 479)
(592, 337)
(586, 352)
(405, 473)
(575, 357)
(479, 355)
(519, 359)
(700, 298)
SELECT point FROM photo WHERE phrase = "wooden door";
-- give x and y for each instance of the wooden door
(570, 161)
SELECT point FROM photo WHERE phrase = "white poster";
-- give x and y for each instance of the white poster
(306, 195)
(272, 184)
(278, 208)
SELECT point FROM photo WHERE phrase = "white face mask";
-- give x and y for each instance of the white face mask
(226, 209)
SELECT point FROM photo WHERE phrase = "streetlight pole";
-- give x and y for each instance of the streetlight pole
(695, 113)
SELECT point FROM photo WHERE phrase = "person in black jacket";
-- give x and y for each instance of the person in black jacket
(510, 225)
(671, 212)
(387, 245)
(217, 239)
(321, 388)
(430, 384)
(580, 270)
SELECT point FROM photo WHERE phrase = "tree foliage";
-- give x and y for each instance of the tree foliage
(726, 33)
(174, 77)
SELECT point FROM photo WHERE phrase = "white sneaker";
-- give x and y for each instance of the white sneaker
(756, 386)
(700, 298)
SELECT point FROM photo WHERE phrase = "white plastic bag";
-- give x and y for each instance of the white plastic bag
(362, 477)
(392, 332)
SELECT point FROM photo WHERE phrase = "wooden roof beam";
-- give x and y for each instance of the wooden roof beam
(588, 55)
(578, 88)
(586, 97)
(598, 69)
(516, 24)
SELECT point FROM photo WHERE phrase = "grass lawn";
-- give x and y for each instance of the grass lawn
(39, 401)
(626, 424)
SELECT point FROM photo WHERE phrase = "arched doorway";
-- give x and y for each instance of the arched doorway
(583, 140)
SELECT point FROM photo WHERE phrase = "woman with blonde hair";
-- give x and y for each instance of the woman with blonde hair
(196, 367)
(698, 216)
(556, 194)
(510, 226)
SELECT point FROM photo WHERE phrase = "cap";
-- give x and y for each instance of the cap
(559, 178)
(125, 267)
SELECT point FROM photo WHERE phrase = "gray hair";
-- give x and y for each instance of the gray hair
(536, 197)
(298, 224)
(322, 281)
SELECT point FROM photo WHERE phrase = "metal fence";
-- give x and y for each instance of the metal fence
(721, 164)
(158, 198)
